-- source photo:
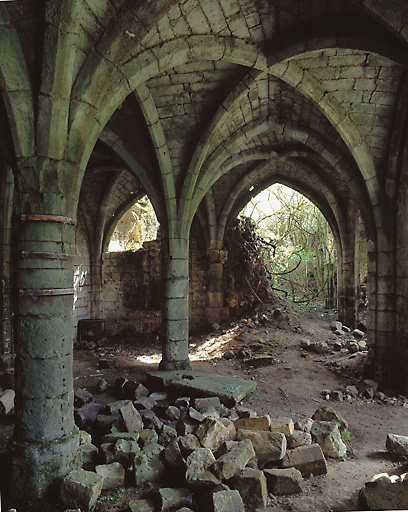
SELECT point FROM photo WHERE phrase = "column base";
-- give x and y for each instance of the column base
(175, 365)
(41, 467)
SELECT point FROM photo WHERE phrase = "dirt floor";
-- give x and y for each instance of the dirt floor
(290, 383)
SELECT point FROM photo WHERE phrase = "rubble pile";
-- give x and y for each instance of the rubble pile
(194, 454)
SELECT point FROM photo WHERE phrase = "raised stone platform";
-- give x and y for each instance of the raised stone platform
(230, 390)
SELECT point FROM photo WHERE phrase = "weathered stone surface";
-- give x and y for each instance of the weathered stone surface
(134, 390)
(234, 460)
(283, 425)
(383, 494)
(307, 459)
(87, 414)
(131, 418)
(229, 425)
(173, 456)
(397, 445)
(141, 506)
(211, 433)
(81, 397)
(185, 426)
(89, 454)
(169, 499)
(268, 446)
(84, 437)
(167, 412)
(146, 402)
(113, 437)
(305, 425)
(245, 412)
(147, 436)
(227, 501)
(149, 466)
(81, 489)
(113, 475)
(198, 471)
(159, 396)
(300, 438)
(167, 435)
(188, 444)
(195, 415)
(203, 403)
(284, 481)
(327, 435)
(251, 484)
(150, 419)
(257, 423)
(329, 414)
(124, 451)
(230, 390)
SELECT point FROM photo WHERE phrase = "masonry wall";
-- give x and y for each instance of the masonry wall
(82, 278)
(132, 291)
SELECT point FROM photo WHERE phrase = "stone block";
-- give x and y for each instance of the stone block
(234, 460)
(211, 433)
(150, 420)
(131, 418)
(169, 499)
(327, 435)
(124, 451)
(284, 481)
(330, 414)
(307, 459)
(268, 446)
(188, 444)
(113, 437)
(384, 494)
(82, 397)
(299, 438)
(141, 506)
(397, 445)
(7, 401)
(173, 456)
(198, 471)
(148, 436)
(227, 501)
(145, 402)
(252, 486)
(257, 423)
(81, 489)
(148, 465)
(167, 436)
(113, 475)
(134, 390)
(89, 454)
(283, 425)
(201, 403)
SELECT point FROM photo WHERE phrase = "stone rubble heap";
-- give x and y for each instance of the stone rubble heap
(190, 454)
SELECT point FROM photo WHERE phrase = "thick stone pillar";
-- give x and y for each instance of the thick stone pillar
(216, 312)
(348, 293)
(175, 310)
(44, 446)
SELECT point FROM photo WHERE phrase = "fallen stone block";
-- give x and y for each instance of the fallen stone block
(357, 333)
(169, 499)
(149, 466)
(146, 402)
(81, 489)
(268, 446)
(131, 418)
(384, 494)
(150, 419)
(159, 396)
(283, 425)
(198, 471)
(84, 437)
(134, 390)
(7, 401)
(124, 451)
(232, 431)
(188, 444)
(167, 435)
(113, 437)
(258, 423)
(299, 438)
(147, 436)
(173, 456)
(81, 397)
(397, 445)
(304, 425)
(87, 414)
(202, 403)
(185, 426)
(307, 459)
(89, 454)
(113, 475)
(167, 412)
(330, 414)
(245, 412)
(234, 460)
(251, 484)
(284, 481)
(227, 501)
(106, 423)
(141, 506)
(197, 416)
(327, 435)
(102, 385)
(211, 433)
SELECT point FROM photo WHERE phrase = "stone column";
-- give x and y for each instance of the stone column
(44, 446)
(216, 311)
(175, 308)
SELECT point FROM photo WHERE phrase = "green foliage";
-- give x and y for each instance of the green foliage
(299, 250)
(344, 433)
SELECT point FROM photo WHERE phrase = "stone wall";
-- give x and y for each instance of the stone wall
(131, 290)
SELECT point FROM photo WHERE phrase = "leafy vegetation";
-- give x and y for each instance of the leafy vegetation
(296, 244)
